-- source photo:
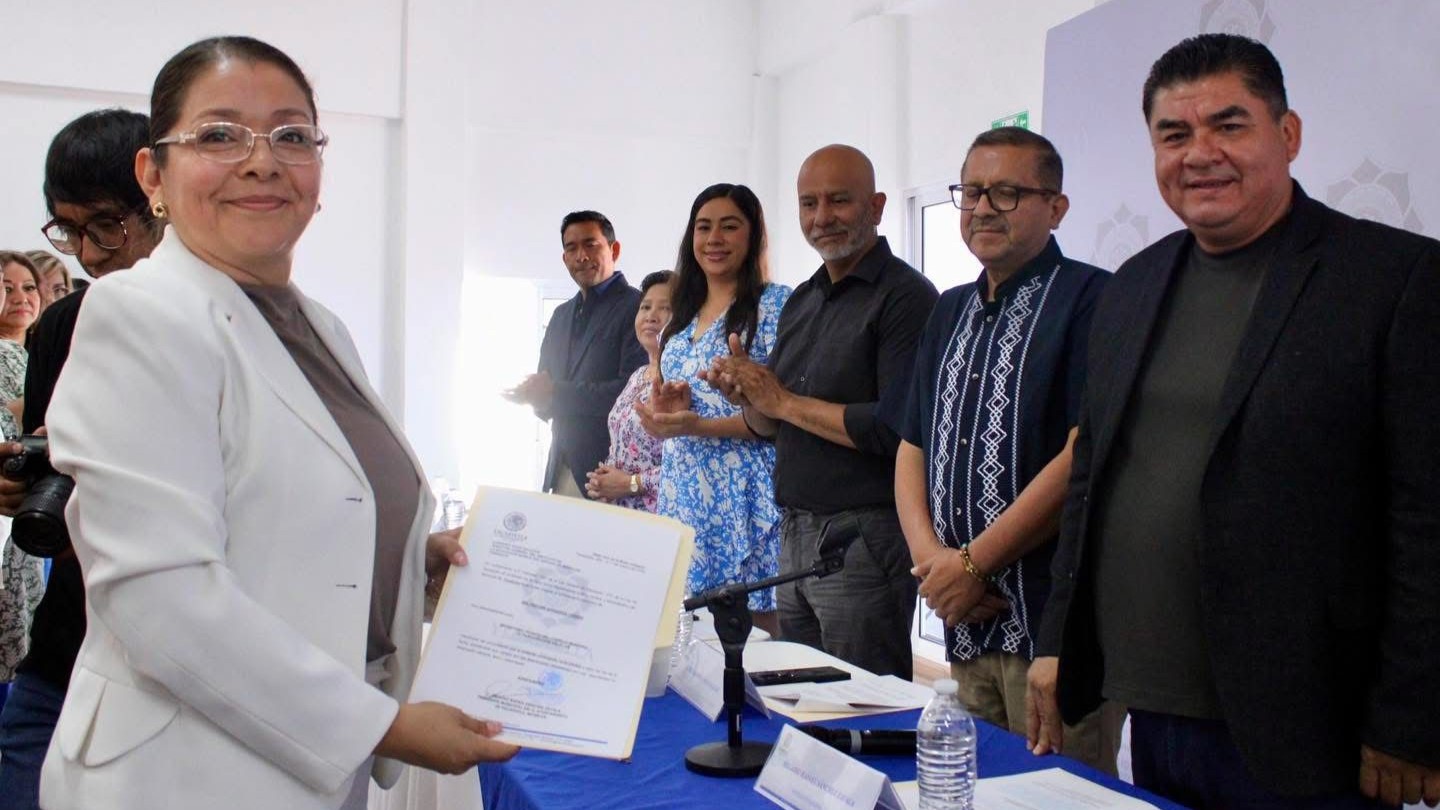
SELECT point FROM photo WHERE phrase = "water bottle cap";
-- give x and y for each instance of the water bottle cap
(946, 686)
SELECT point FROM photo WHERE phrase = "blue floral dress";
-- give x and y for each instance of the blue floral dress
(723, 488)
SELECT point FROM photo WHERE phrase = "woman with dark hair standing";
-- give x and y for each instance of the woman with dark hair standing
(716, 473)
(252, 527)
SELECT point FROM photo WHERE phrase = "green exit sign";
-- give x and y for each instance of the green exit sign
(1020, 119)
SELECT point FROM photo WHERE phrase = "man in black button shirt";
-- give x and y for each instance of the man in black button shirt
(1250, 548)
(980, 475)
(100, 216)
(844, 349)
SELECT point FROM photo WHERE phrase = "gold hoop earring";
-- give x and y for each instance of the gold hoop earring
(159, 210)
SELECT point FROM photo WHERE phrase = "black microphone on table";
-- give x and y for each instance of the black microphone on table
(865, 742)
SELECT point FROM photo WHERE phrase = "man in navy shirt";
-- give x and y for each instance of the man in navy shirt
(588, 354)
(985, 457)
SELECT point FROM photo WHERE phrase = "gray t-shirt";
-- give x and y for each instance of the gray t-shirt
(386, 464)
(1149, 525)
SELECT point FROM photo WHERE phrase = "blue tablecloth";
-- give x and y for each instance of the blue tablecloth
(655, 776)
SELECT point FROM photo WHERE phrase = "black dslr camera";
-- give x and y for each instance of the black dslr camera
(39, 527)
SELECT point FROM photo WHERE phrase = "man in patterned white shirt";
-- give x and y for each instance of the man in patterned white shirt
(985, 457)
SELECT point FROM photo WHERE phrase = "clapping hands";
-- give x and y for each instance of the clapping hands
(668, 412)
(745, 382)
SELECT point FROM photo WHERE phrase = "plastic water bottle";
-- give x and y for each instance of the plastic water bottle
(453, 509)
(945, 752)
(683, 633)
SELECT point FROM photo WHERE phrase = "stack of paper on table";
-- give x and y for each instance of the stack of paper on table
(861, 692)
(552, 626)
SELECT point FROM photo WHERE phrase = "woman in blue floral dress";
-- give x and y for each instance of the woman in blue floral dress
(716, 473)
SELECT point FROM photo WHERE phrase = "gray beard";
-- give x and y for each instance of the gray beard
(846, 250)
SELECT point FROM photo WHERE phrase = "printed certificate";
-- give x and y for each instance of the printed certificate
(551, 627)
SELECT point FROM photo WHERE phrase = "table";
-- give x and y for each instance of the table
(655, 776)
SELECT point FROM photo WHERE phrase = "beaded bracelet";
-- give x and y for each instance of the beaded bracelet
(971, 567)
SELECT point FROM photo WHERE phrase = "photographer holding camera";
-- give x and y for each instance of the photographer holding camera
(100, 216)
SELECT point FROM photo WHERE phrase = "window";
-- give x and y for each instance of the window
(503, 321)
(933, 229)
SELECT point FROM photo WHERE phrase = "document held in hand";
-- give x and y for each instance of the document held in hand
(551, 627)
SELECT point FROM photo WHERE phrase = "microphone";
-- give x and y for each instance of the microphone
(865, 742)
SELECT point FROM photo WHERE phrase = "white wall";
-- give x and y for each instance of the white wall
(353, 58)
(627, 108)
(425, 299)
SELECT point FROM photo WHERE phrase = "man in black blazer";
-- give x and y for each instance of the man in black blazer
(1250, 548)
(588, 353)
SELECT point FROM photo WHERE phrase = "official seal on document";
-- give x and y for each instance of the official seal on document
(514, 522)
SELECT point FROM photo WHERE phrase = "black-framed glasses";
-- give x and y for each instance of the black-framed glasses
(1003, 196)
(224, 142)
(106, 231)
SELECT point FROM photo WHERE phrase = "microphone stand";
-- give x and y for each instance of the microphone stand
(731, 609)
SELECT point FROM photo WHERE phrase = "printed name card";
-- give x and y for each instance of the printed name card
(700, 679)
(803, 773)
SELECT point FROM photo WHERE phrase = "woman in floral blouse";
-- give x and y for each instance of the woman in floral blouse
(716, 475)
(630, 476)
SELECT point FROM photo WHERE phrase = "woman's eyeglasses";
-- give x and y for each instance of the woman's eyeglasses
(222, 142)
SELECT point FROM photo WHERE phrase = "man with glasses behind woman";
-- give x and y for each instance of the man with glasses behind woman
(99, 215)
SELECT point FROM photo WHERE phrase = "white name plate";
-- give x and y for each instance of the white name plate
(803, 773)
(700, 679)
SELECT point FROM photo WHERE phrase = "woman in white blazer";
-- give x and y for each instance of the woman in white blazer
(224, 514)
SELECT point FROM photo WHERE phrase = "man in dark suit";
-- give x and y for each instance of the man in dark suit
(1250, 548)
(588, 353)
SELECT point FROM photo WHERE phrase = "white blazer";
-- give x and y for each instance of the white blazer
(226, 532)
